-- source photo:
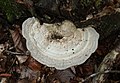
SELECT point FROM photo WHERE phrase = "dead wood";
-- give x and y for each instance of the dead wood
(108, 63)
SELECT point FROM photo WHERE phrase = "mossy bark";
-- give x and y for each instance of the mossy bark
(105, 26)
(13, 10)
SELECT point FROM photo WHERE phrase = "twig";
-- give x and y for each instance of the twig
(98, 73)
(14, 53)
(17, 53)
(5, 75)
(107, 63)
(12, 64)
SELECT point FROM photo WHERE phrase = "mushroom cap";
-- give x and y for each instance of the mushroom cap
(59, 45)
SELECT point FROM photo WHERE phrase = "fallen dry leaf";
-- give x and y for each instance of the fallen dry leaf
(19, 44)
(27, 3)
(23, 81)
(26, 72)
(86, 69)
(33, 64)
(63, 76)
(3, 80)
(22, 59)
(18, 41)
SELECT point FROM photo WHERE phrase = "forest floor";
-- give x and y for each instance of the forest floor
(18, 66)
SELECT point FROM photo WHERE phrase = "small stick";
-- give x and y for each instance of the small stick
(17, 53)
(14, 53)
(98, 73)
(107, 63)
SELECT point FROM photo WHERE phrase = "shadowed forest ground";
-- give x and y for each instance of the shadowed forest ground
(18, 66)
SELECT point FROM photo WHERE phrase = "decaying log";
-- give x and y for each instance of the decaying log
(77, 11)
(105, 25)
(107, 63)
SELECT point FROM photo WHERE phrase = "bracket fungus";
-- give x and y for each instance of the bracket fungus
(59, 45)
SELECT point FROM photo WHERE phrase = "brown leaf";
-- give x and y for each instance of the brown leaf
(3, 80)
(20, 1)
(27, 3)
(18, 41)
(5, 75)
(86, 69)
(22, 59)
(63, 76)
(26, 72)
(23, 81)
(33, 64)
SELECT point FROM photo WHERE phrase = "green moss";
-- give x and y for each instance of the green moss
(11, 9)
(86, 3)
(98, 3)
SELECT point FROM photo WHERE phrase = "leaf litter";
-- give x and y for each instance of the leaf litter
(17, 66)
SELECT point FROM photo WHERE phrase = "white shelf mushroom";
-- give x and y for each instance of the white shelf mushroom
(59, 45)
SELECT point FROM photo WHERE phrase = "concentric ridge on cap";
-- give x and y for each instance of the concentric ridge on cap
(59, 45)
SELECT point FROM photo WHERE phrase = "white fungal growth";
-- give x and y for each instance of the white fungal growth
(59, 45)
